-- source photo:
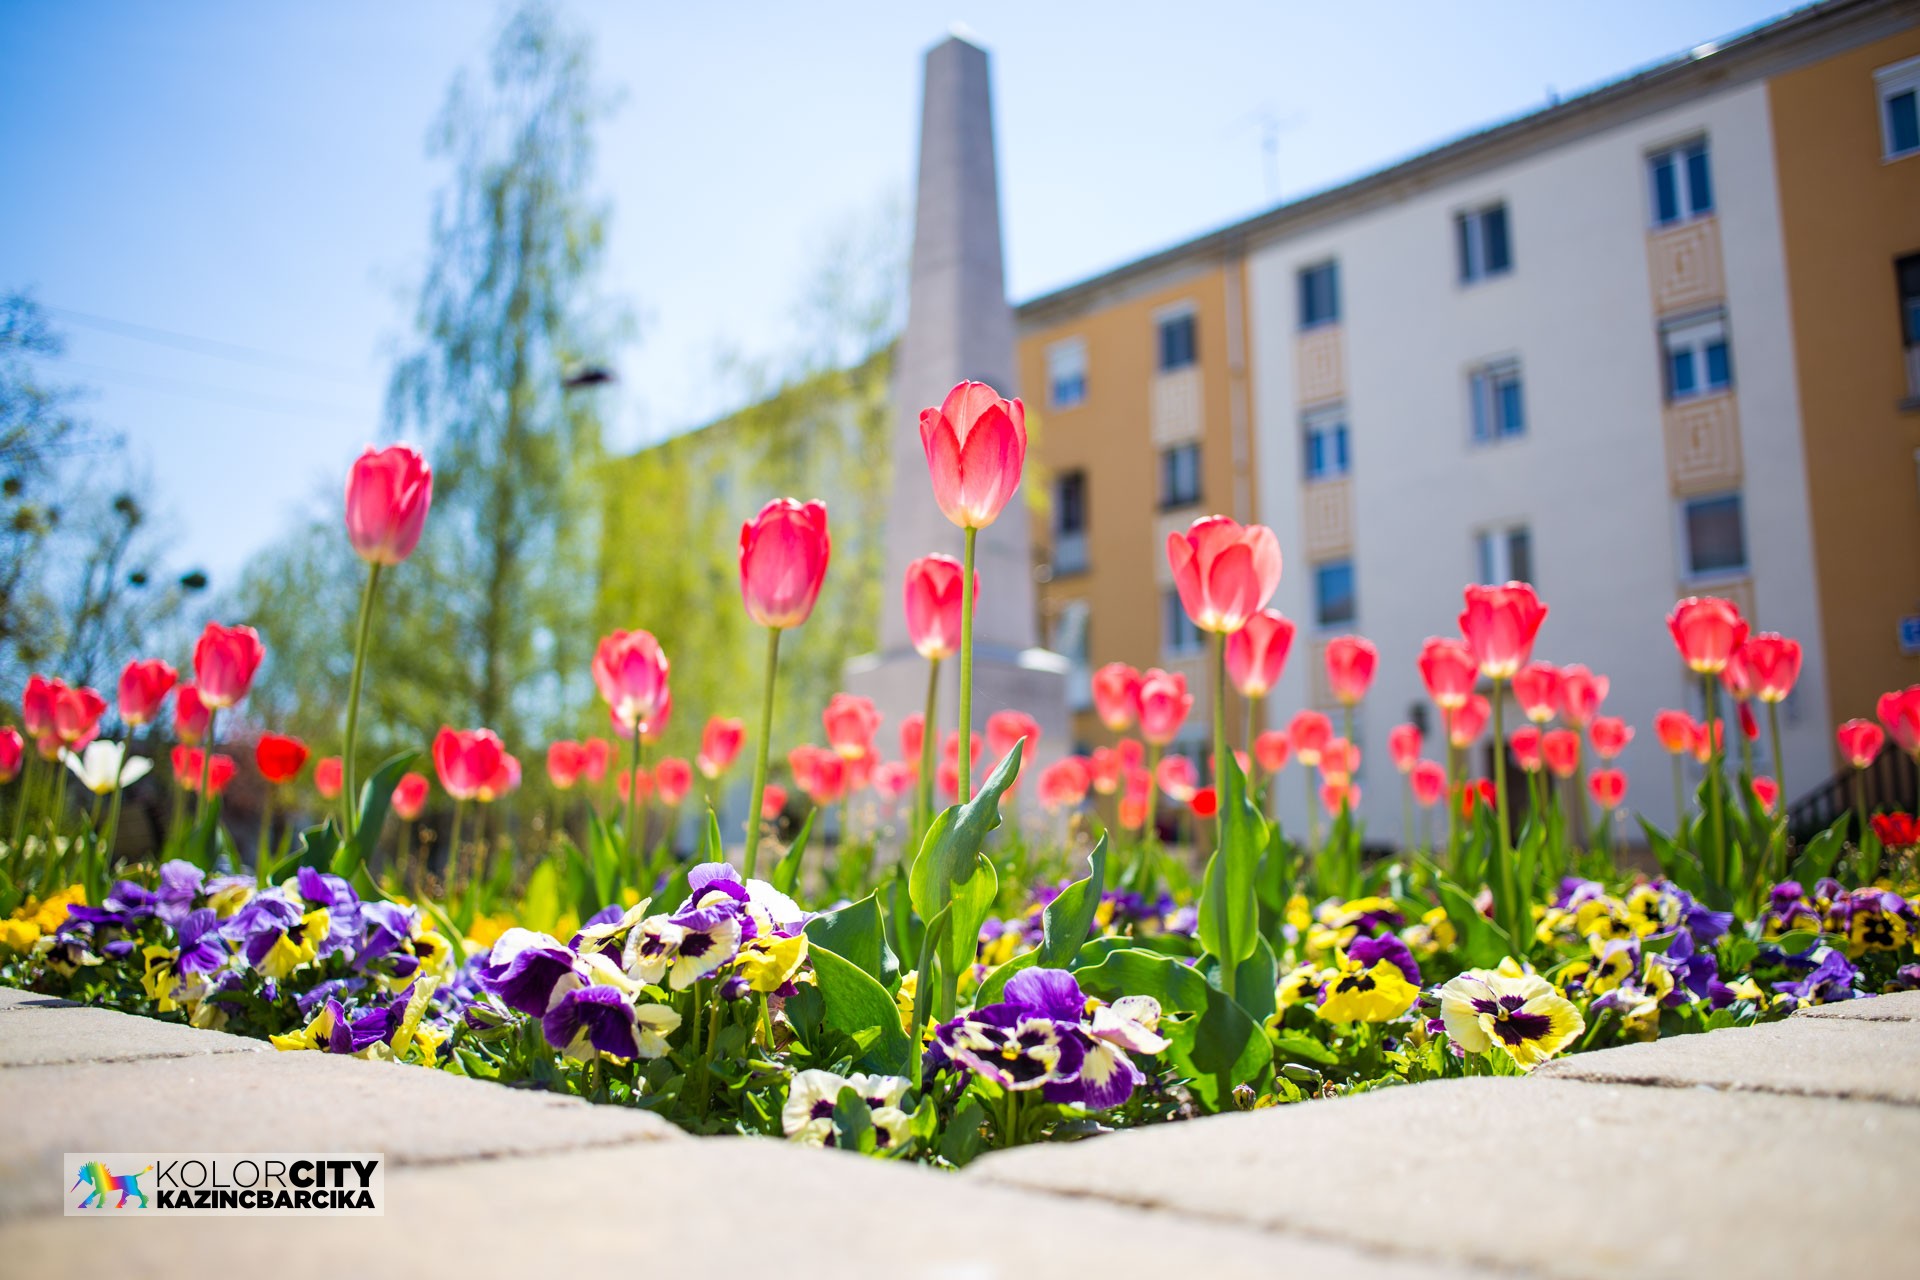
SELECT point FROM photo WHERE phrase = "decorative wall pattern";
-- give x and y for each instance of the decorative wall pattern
(1321, 359)
(1327, 510)
(1178, 407)
(1685, 266)
(1703, 445)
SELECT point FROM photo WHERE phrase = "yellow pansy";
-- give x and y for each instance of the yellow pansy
(314, 1035)
(298, 945)
(18, 935)
(770, 963)
(485, 931)
(1378, 994)
(903, 999)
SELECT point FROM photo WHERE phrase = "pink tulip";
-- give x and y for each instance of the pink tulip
(1164, 704)
(1225, 573)
(913, 738)
(1581, 693)
(1609, 735)
(1707, 630)
(1116, 696)
(1064, 783)
(1403, 744)
(1272, 749)
(1536, 687)
(1309, 732)
(1860, 741)
(1178, 778)
(388, 493)
(783, 560)
(467, 760)
(1351, 661)
(1339, 760)
(630, 670)
(1105, 768)
(719, 744)
(566, 761)
(328, 777)
(1339, 794)
(190, 715)
(1257, 653)
(850, 722)
(1449, 672)
(36, 705)
(76, 715)
(674, 777)
(933, 599)
(598, 757)
(1004, 728)
(1468, 722)
(1499, 624)
(409, 796)
(1676, 731)
(1609, 788)
(1899, 711)
(773, 802)
(13, 753)
(893, 779)
(1561, 750)
(1429, 782)
(1525, 742)
(224, 663)
(1772, 662)
(1767, 792)
(976, 446)
(144, 684)
(504, 782)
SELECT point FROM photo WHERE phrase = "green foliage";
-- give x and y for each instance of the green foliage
(1229, 911)
(856, 1003)
(1217, 1043)
(854, 933)
(1066, 921)
(953, 875)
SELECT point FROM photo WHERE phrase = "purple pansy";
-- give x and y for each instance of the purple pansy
(524, 967)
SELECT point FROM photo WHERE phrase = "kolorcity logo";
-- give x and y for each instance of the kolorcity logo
(141, 1184)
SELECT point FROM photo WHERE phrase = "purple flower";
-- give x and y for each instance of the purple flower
(351, 1035)
(180, 884)
(602, 1016)
(1695, 970)
(1830, 980)
(524, 967)
(1367, 952)
(202, 950)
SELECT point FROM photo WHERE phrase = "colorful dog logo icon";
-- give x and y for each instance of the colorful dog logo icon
(106, 1184)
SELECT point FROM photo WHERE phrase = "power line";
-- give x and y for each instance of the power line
(221, 395)
(204, 346)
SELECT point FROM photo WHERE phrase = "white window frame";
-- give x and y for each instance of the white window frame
(1489, 375)
(1470, 234)
(1326, 419)
(1688, 574)
(1683, 188)
(1066, 359)
(1890, 82)
(1493, 553)
(1695, 334)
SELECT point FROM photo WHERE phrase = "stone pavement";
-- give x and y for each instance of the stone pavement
(1790, 1150)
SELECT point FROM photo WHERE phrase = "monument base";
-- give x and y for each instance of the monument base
(1029, 680)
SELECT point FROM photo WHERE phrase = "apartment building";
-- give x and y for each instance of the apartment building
(1652, 341)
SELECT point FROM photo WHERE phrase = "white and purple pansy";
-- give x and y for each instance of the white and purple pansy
(685, 947)
(1039, 1036)
(813, 1094)
(606, 931)
(524, 967)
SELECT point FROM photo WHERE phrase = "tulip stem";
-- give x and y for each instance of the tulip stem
(20, 800)
(1219, 728)
(1718, 818)
(633, 793)
(1500, 769)
(929, 736)
(1453, 799)
(760, 753)
(1313, 808)
(453, 850)
(1779, 786)
(206, 766)
(363, 631)
(1150, 833)
(266, 834)
(966, 669)
(1679, 799)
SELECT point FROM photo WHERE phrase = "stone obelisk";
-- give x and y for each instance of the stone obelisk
(959, 327)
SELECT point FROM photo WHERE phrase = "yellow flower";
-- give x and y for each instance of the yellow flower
(298, 945)
(312, 1036)
(485, 931)
(903, 999)
(1604, 918)
(770, 963)
(18, 935)
(49, 914)
(1522, 1014)
(408, 1039)
(1612, 965)
(1297, 986)
(1001, 949)
(229, 898)
(1379, 994)
(1299, 912)
(160, 980)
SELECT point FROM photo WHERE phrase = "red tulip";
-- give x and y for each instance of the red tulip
(1704, 745)
(976, 445)
(76, 715)
(279, 757)
(1524, 742)
(1468, 722)
(388, 493)
(1206, 802)
(191, 716)
(144, 683)
(1773, 661)
(783, 560)
(1536, 687)
(1257, 653)
(1133, 813)
(599, 756)
(1767, 792)
(1131, 751)
(950, 749)
(1748, 724)
(224, 662)
(1896, 830)
(773, 802)
(655, 728)
(328, 778)
(719, 744)
(630, 670)
(566, 761)
(1447, 668)
(505, 780)
(627, 780)
(1063, 784)
(1736, 677)
(1581, 693)
(1105, 770)
(1225, 573)
(674, 777)
(1609, 735)
(1706, 630)
(850, 722)
(1676, 731)
(893, 779)
(947, 779)
(913, 739)
(466, 760)
(803, 762)
(1116, 696)
(1899, 711)
(1338, 795)
(1499, 624)
(36, 705)
(1177, 776)
(933, 605)
(1473, 795)
(1339, 760)
(1164, 704)
(1561, 750)
(1860, 741)
(1004, 728)
(1272, 749)
(1429, 782)
(188, 763)
(1609, 788)
(13, 753)
(830, 779)
(1139, 784)
(1403, 744)
(409, 796)
(1351, 661)
(1308, 733)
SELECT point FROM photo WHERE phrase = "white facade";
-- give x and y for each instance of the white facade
(1593, 477)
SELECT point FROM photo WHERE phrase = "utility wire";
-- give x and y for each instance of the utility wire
(205, 346)
(221, 395)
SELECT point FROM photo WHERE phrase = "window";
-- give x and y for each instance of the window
(1484, 248)
(1715, 536)
(1067, 373)
(1179, 476)
(1907, 275)
(1697, 362)
(1899, 87)
(1177, 342)
(1069, 640)
(1320, 295)
(1504, 555)
(1333, 604)
(1178, 635)
(1070, 523)
(1324, 432)
(1682, 184)
(1498, 411)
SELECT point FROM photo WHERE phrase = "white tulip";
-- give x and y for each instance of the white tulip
(104, 765)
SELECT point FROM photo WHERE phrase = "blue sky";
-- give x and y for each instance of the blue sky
(228, 202)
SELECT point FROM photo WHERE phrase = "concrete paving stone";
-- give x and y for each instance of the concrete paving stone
(41, 1031)
(1553, 1177)
(706, 1207)
(1901, 1006)
(298, 1101)
(1824, 1058)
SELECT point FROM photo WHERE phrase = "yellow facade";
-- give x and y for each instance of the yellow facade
(1132, 413)
(1848, 214)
